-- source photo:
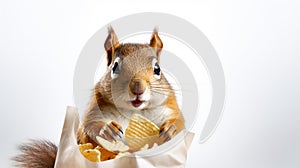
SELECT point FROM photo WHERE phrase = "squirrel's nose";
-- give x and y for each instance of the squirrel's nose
(137, 86)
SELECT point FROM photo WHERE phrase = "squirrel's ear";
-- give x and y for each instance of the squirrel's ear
(156, 43)
(110, 44)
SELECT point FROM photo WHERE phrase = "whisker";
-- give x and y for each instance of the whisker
(167, 89)
(165, 94)
(161, 93)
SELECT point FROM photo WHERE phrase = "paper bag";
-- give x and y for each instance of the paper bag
(170, 154)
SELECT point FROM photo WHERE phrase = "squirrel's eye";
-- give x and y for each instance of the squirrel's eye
(115, 68)
(156, 70)
(115, 71)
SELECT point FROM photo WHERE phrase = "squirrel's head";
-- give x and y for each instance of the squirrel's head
(134, 79)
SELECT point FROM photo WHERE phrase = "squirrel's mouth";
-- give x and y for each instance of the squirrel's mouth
(136, 102)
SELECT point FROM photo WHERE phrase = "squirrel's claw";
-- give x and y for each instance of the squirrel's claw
(167, 132)
(111, 131)
(116, 126)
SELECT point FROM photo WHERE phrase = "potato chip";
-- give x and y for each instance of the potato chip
(106, 154)
(140, 132)
(83, 147)
(92, 155)
(117, 146)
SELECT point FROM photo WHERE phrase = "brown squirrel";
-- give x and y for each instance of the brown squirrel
(132, 83)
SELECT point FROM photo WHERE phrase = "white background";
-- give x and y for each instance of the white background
(257, 42)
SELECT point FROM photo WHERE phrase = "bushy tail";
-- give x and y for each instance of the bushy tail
(36, 154)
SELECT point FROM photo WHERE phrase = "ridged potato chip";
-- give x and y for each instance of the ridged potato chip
(141, 132)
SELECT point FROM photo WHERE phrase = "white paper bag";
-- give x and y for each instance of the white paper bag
(170, 154)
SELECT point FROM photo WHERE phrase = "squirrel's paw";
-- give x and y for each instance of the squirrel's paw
(167, 132)
(111, 131)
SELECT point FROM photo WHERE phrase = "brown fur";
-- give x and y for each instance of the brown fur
(136, 76)
(36, 154)
(102, 105)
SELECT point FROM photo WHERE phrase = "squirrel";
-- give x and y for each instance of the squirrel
(132, 83)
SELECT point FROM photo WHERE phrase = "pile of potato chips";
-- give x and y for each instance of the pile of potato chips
(141, 134)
